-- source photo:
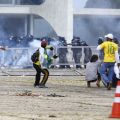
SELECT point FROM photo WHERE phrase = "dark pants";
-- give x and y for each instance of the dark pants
(77, 56)
(114, 81)
(39, 70)
(63, 60)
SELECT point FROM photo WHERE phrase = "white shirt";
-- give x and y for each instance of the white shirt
(41, 55)
(91, 70)
(117, 70)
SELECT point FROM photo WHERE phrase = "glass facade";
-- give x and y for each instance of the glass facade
(6, 1)
(90, 28)
(23, 25)
(8, 27)
(42, 28)
(110, 4)
(21, 2)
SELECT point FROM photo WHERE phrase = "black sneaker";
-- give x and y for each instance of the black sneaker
(36, 86)
(42, 86)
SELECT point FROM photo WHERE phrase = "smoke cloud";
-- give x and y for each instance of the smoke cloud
(89, 28)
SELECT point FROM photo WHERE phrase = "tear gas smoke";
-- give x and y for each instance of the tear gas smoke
(35, 44)
(90, 28)
(21, 58)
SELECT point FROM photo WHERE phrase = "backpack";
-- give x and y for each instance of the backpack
(35, 56)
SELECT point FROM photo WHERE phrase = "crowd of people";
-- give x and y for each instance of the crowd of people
(77, 51)
(17, 41)
(104, 66)
(59, 43)
(107, 67)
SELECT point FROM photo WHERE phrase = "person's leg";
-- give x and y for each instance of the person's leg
(79, 55)
(114, 81)
(88, 82)
(110, 75)
(75, 58)
(64, 59)
(111, 72)
(38, 74)
(99, 76)
(98, 79)
(103, 69)
(61, 61)
(45, 77)
(66, 62)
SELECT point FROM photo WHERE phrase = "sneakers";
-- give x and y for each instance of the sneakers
(36, 86)
(109, 85)
(42, 86)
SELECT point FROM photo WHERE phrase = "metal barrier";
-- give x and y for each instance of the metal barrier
(17, 61)
(74, 55)
(67, 56)
(16, 57)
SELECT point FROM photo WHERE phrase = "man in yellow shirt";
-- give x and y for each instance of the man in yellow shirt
(110, 57)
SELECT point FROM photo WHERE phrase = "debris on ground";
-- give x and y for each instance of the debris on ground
(27, 93)
(55, 95)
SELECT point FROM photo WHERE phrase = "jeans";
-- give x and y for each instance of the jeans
(107, 71)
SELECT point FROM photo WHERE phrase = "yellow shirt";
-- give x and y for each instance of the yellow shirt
(109, 51)
(37, 63)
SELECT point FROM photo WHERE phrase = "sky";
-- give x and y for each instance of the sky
(79, 4)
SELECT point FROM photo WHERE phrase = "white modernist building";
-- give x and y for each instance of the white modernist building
(58, 13)
(22, 18)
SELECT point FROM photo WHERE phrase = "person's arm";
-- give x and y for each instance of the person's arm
(99, 47)
(116, 56)
(49, 47)
(116, 70)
